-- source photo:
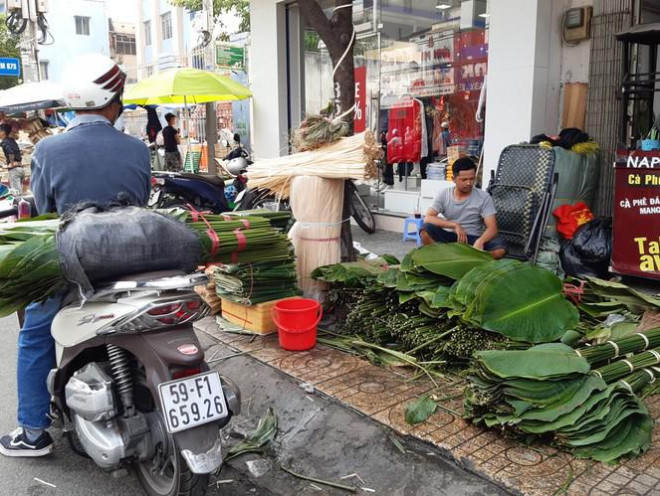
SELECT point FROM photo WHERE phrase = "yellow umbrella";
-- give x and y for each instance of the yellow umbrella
(187, 86)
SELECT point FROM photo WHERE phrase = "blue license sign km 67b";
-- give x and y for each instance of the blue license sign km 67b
(10, 67)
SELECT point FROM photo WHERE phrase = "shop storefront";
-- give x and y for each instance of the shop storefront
(420, 70)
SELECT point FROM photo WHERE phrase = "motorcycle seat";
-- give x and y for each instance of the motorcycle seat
(207, 178)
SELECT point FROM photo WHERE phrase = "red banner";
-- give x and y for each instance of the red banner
(360, 118)
(636, 228)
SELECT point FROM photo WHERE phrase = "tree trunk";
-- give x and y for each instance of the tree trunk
(337, 34)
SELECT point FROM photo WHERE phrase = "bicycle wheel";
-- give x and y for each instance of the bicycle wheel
(360, 211)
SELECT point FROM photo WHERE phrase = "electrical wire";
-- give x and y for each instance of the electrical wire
(42, 23)
(15, 24)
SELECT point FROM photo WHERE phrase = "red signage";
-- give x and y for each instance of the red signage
(360, 118)
(636, 228)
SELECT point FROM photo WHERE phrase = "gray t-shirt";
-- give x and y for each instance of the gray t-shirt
(469, 213)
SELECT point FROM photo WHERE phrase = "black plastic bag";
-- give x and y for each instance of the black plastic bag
(593, 240)
(588, 253)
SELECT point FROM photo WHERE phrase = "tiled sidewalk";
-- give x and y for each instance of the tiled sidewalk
(381, 394)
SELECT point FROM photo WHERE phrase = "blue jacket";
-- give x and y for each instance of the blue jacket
(90, 161)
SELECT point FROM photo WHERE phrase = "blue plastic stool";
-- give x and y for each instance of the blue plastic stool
(417, 223)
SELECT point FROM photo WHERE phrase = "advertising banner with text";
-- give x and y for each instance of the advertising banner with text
(636, 227)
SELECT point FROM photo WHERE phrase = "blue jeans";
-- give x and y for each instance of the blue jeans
(440, 235)
(36, 357)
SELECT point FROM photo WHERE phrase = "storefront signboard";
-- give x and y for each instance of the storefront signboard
(230, 56)
(360, 117)
(636, 227)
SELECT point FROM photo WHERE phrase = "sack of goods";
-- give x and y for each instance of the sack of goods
(42, 258)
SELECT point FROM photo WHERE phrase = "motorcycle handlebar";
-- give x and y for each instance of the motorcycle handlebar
(8, 213)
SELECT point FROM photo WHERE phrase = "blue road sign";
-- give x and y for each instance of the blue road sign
(10, 67)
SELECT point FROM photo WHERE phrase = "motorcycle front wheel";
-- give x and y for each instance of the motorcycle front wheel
(167, 474)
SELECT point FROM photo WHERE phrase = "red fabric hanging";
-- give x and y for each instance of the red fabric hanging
(404, 132)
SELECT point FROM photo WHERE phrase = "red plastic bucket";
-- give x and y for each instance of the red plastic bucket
(296, 321)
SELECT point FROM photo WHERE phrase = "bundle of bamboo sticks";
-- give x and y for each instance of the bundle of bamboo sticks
(352, 157)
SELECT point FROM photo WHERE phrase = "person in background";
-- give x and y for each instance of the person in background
(13, 156)
(388, 169)
(446, 135)
(90, 162)
(153, 123)
(171, 140)
(468, 214)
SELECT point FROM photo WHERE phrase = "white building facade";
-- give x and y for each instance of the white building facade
(442, 53)
(76, 26)
(162, 37)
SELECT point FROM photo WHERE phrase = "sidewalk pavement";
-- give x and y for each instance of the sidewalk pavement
(320, 438)
(347, 425)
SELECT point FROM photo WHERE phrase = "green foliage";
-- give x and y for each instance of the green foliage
(420, 409)
(549, 391)
(8, 48)
(239, 7)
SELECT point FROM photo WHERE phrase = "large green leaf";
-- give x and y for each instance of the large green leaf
(420, 409)
(452, 260)
(526, 304)
(539, 362)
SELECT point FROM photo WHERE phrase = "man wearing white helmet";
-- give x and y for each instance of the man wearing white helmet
(91, 161)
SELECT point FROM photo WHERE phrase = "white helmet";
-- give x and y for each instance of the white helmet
(91, 81)
(237, 166)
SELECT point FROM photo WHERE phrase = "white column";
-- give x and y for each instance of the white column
(268, 78)
(522, 97)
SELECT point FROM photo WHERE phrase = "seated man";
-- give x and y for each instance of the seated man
(469, 214)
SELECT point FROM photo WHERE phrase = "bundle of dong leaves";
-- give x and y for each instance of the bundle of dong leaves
(30, 264)
(251, 283)
(551, 391)
(446, 301)
(447, 304)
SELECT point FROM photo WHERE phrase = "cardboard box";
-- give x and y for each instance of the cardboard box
(255, 318)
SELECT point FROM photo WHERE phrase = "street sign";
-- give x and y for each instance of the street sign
(10, 67)
(230, 56)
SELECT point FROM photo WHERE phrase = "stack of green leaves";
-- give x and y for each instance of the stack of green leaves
(280, 219)
(615, 348)
(29, 260)
(547, 390)
(515, 299)
(354, 274)
(251, 283)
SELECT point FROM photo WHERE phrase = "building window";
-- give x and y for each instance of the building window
(125, 44)
(166, 25)
(43, 70)
(82, 25)
(150, 70)
(147, 33)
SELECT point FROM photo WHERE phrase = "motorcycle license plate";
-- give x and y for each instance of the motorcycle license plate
(192, 401)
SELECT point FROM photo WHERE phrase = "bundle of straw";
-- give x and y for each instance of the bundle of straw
(348, 158)
(317, 207)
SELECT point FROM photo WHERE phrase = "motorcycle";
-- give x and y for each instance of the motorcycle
(205, 192)
(131, 387)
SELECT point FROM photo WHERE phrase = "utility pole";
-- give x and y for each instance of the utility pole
(211, 114)
(25, 14)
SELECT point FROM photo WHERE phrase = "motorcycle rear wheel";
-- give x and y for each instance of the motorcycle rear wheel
(169, 475)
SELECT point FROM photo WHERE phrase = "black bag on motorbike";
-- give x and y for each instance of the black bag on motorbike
(96, 245)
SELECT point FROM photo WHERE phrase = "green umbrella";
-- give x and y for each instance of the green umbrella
(187, 86)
